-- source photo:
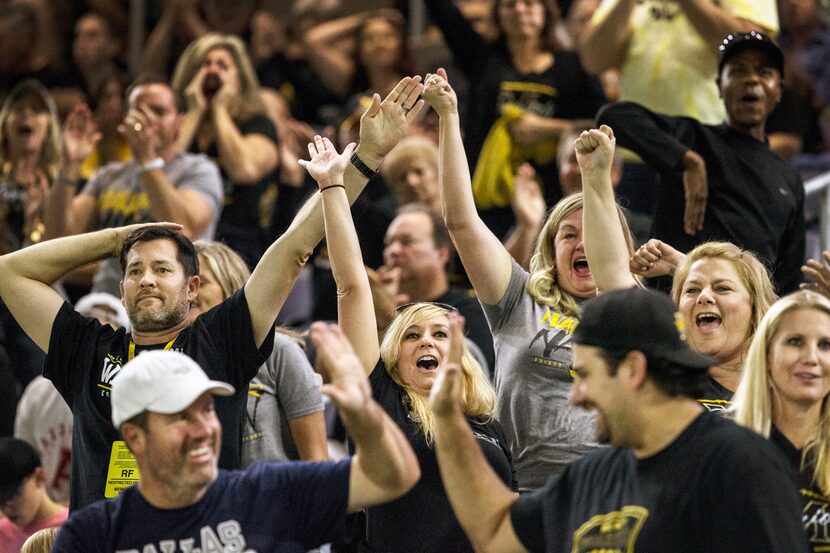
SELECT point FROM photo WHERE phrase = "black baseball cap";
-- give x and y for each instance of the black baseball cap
(738, 42)
(638, 319)
(18, 460)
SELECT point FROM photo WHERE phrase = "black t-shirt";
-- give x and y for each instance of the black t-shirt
(717, 487)
(422, 520)
(815, 513)
(715, 397)
(756, 200)
(85, 357)
(242, 224)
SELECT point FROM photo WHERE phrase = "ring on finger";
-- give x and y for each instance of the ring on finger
(406, 108)
(137, 127)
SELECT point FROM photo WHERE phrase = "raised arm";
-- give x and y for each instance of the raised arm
(484, 257)
(601, 228)
(28, 274)
(355, 311)
(714, 22)
(606, 37)
(384, 467)
(67, 213)
(479, 498)
(323, 46)
(381, 127)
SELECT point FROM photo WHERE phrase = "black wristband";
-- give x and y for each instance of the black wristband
(343, 186)
(362, 167)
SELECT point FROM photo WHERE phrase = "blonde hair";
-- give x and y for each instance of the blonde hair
(227, 266)
(41, 541)
(407, 150)
(247, 104)
(752, 273)
(48, 160)
(543, 285)
(752, 403)
(477, 394)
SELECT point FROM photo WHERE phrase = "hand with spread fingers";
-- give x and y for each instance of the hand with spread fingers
(383, 124)
(595, 151)
(348, 386)
(655, 258)
(528, 203)
(79, 137)
(445, 396)
(440, 94)
(326, 165)
(819, 273)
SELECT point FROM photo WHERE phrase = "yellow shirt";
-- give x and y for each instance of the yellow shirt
(669, 68)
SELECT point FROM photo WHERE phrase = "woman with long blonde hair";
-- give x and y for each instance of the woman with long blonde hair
(226, 121)
(401, 371)
(532, 315)
(784, 394)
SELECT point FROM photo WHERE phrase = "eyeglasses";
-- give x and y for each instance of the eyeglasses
(446, 306)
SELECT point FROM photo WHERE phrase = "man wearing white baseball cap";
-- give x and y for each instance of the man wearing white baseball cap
(163, 406)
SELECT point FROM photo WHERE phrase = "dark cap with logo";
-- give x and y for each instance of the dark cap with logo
(738, 42)
(638, 319)
(18, 460)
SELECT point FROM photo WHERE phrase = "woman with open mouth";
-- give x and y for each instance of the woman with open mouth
(783, 395)
(532, 315)
(29, 148)
(722, 291)
(401, 371)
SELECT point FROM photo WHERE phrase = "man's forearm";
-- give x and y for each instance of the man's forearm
(48, 261)
(168, 204)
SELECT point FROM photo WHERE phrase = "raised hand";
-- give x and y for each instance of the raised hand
(439, 93)
(79, 136)
(819, 273)
(390, 279)
(140, 129)
(595, 150)
(528, 204)
(445, 395)
(348, 386)
(326, 165)
(194, 94)
(655, 258)
(383, 124)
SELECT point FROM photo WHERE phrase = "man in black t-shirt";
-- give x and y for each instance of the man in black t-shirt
(677, 478)
(722, 182)
(161, 278)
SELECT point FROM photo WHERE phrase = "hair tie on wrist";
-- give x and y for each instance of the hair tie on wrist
(343, 186)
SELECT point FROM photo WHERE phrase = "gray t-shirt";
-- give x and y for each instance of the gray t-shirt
(532, 378)
(121, 200)
(285, 388)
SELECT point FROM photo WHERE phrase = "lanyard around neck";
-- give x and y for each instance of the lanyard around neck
(131, 352)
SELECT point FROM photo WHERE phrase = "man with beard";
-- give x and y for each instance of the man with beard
(163, 405)
(677, 478)
(161, 279)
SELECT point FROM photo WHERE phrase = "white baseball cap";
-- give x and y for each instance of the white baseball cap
(160, 381)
